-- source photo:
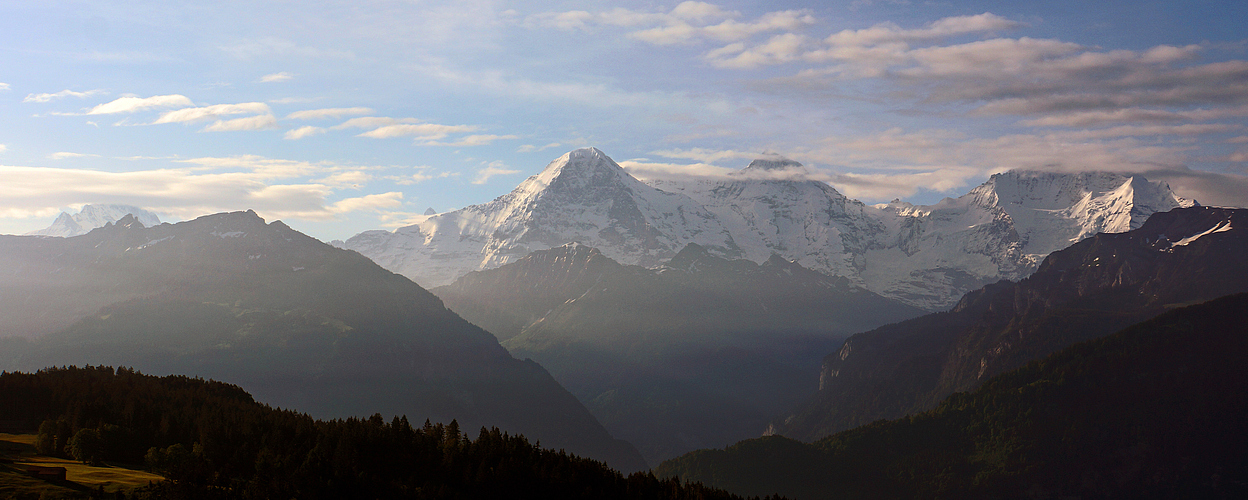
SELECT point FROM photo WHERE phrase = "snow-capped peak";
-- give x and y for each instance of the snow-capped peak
(774, 164)
(93, 216)
(583, 196)
(579, 168)
(927, 255)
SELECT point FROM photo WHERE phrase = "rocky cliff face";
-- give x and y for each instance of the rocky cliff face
(927, 256)
(1093, 288)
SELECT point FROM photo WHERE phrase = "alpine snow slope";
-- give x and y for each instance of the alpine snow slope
(927, 256)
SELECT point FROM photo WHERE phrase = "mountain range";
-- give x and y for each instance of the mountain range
(296, 322)
(1095, 287)
(93, 216)
(926, 256)
(698, 351)
(1152, 411)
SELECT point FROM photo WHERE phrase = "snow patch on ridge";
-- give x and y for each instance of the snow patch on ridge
(1220, 227)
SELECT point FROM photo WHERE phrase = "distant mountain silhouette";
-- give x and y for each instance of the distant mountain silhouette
(296, 322)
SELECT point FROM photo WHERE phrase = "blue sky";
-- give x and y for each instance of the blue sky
(338, 117)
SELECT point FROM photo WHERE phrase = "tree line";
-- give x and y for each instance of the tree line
(212, 440)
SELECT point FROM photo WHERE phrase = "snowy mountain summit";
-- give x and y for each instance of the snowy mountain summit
(93, 216)
(927, 256)
(582, 196)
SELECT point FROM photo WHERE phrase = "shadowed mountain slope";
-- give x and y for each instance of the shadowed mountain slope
(1095, 287)
(298, 323)
(1154, 411)
(700, 351)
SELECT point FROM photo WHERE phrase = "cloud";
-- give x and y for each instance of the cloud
(688, 22)
(529, 148)
(4, 86)
(492, 169)
(3, 148)
(272, 187)
(726, 31)
(65, 154)
(418, 177)
(317, 114)
(869, 50)
(371, 122)
(426, 131)
(890, 33)
(302, 132)
(135, 104)
(372, 202)
(1137, 115)
(354, 179)
(276, 77)
(706, 155)
(59, 95)
(190, 115)
(472, 140)
(258, 122)
(649, 170)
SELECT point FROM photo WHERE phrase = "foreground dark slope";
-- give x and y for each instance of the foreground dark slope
(1091, 289)
(701, 351)
(1154, 411)
(298, 323)
(213, 441)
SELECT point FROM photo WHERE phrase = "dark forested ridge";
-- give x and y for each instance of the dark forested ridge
(213, 441)
(1091, 289)
(1154, 411)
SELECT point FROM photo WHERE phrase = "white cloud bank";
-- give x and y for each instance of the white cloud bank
(276, 188)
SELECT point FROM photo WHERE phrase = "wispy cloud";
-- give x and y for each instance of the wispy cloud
(492, 169)
(707, 155)
(688, 22)
(258, 122)
(66, 154)
(59, 95)
(372, 122)
(189, 115)
(4, 86)
(135, 104)
(472, 140)
(422, 131)
(317, 114)
(529, 148)
(302, 132)
(276, 77)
